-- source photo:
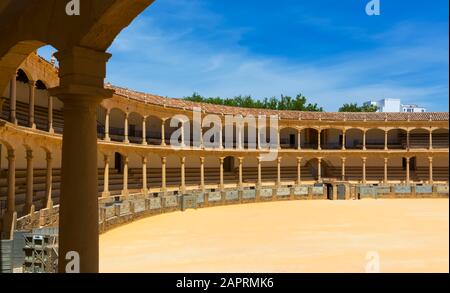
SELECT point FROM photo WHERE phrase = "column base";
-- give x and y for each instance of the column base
(125, 193)
(106, 194)
(28, 209)
(108, 139)
(49, 204)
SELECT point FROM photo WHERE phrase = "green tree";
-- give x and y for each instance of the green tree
(353, 107)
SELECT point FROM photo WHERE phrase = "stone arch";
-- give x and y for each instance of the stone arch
(396, 138)
(153, 130)
(116, 124)
(440, 138)
(354, 138)
(288, 137)
(309, 138)
(375, 138)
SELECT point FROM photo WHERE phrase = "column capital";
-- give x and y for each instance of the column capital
(11, 154)
(279, 159)
(106, 158)
(386, 160)
(241, 159)
(364, 159)
(183, 160)
(48, 157)
(299, 159)
(202, 160)
(430, 159)
(164, 160)
(29, 154)
(125, 159)
(31, 82)
(343, 159)
(144, 159)
(221, 159)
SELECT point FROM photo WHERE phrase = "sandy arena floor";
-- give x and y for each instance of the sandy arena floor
(409, 235)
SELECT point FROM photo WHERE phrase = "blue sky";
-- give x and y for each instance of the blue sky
(328, 50)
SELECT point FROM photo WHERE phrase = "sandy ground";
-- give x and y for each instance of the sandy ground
(407, 235)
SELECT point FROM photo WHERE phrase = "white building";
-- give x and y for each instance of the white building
(395, 105)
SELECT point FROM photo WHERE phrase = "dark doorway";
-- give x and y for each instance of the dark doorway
(228, 164)
(118, 162)
(329, 191)
(292, 140)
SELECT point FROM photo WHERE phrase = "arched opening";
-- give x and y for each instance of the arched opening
(153, 130)
(309, 138)
(116, 125)
(288, 138)
(326, 169)
(375, 139)
(419, 138)
(354, 138)
(135, 127)
(396, 139)
(375, 170)
(331, 139)
(440, 138)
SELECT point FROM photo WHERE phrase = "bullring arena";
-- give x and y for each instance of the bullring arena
(343, 189)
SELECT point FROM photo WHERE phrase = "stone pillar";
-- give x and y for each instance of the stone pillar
(183, 175)
(81, 72)
(319, 169)
(239, 137)
(31, 100)
(11, 201)
(259, 183)
(364, 139)
(163, 174)
(50, 114)
(430, 169)
(125, 176)
(221, 137)
(108, 112)
(386, 170)
(343, 168)
(202, 173)
(407, 170)
(431, 139)
(343, 138)
(144, 130)
(364, 159)
(125, 128)
(144, 175)
(385, 140)
(163, 132)
(299, 170)
(48, 182)
(299, 139)
(279, 171)
(279, 138)
(222, 185)
(106, 176)
(29, 207)
(258, 138)
(241, 182)
(13, 100)
(407, 139)
(10, 217)
(319, 147)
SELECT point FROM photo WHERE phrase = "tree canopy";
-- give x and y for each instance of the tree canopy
(353, 107)
(299, 103)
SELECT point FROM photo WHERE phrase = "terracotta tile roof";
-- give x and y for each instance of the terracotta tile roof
(291, 115)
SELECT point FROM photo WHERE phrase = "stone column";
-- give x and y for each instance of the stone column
(407, 139)
(108, 112)
(10, 217)
(319, 169)
(279, 138)
(386, 170)
(29, 207)
(163, 132)
(183, 174)
(239, 137)
(431, 139)
(163, 174)
(279, 171)
(48, 182)
(81, 72)
(125, 176)
(343, 168)
(106, 176)
(125, 128)
(202, 173)
(430, 160)
(299, 139)
(222, 185)
(407, 170)
(144, 130)
(50, 114)
(31, 97)
(11, 201)
(343, 138)
(144, 175)
(364, 139)
(258, 138)
(299, 170)
(319, 147)
(13, 100)
(364, 159)
(385, 140)
(259, 173)
(241, 182)
(221, 137)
